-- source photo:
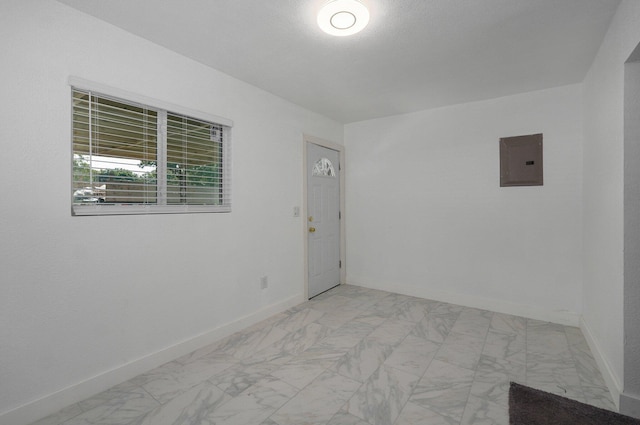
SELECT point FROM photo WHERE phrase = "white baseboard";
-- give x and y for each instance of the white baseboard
(562, 317)
(37, 409)
(630, 405)
(610, 378)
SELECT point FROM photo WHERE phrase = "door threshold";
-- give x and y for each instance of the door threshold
(324, 292)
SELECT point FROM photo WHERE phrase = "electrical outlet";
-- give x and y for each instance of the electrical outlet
(264, 282)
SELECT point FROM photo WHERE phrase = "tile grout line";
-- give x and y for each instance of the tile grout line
(475, 372)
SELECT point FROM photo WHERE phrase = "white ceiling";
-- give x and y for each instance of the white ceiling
(413, 55)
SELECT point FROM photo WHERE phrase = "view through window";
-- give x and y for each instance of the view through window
(127, 155)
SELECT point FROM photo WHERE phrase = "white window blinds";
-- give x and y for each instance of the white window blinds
(130, 158)
(194, 162)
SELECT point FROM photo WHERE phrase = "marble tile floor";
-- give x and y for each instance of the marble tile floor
(355, 356)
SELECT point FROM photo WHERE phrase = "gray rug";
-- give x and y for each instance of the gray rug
(528, 406)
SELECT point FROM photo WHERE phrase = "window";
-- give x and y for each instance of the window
(133, 158)
(323, 167)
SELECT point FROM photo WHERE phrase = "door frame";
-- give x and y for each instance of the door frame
(305, 233)
(629, 402)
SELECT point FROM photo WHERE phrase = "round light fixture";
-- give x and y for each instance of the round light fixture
(343, 17)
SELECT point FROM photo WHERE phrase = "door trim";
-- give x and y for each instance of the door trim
(305, 234)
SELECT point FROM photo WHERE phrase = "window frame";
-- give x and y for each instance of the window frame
(164, 108)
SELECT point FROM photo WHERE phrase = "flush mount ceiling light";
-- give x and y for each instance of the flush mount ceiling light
(343, 17)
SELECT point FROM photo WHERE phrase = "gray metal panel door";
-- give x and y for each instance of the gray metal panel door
(323, 219)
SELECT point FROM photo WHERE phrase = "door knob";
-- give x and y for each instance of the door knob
(312, 229)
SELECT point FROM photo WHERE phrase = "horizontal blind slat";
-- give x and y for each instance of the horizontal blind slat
(115, 152)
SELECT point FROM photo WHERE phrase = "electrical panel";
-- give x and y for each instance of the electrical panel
(521, 161)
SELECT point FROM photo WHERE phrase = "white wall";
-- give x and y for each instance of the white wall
(81, 298)
(426, 215)
(603, 191)
(630, 399)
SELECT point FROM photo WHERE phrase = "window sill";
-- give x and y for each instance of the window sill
(101, 209)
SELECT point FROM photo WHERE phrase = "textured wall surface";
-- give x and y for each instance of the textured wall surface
(83, 296)
(427, 215)
(603, 201)
(630, 400)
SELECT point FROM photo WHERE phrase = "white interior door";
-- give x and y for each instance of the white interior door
(323, 218)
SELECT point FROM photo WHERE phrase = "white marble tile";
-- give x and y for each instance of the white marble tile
(362, 360)
(241, 376)
(117, 411)
(444, 389)
(388, 305)
(339, 318)
(493, 377)
(298, 319)
(190, 407)
(534, 325)
(347, 290)
(371, 318)
(599, 397)
(318, 402)
(323, 356)
(360, 292)
(333, 303)
(461, 349)
(382, 397)
(362, 298)
(444, 308)
(295, 342)
(299, 373)
(489, 364)
(120, 391)
(343, 417)
(413, 355)
(504, 345)
(156, 373)
(324, 295)
(272, 320)
(347, 336)
(576, 340)
(187, 376)
(391, 332)
(273, 358)
(435, 327)
(200, 352)
(413, 414)
(574, 335)
(246, 343)
(594, 389)
(254, 405)
(342, 386)
(505, 323)
(483, 412)
(586, 366)
(473, 322)
(412, 310)
(551, 346)
(353, 354)
(557, 377)
(548, 339)
(587, 369)
(60, 416)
